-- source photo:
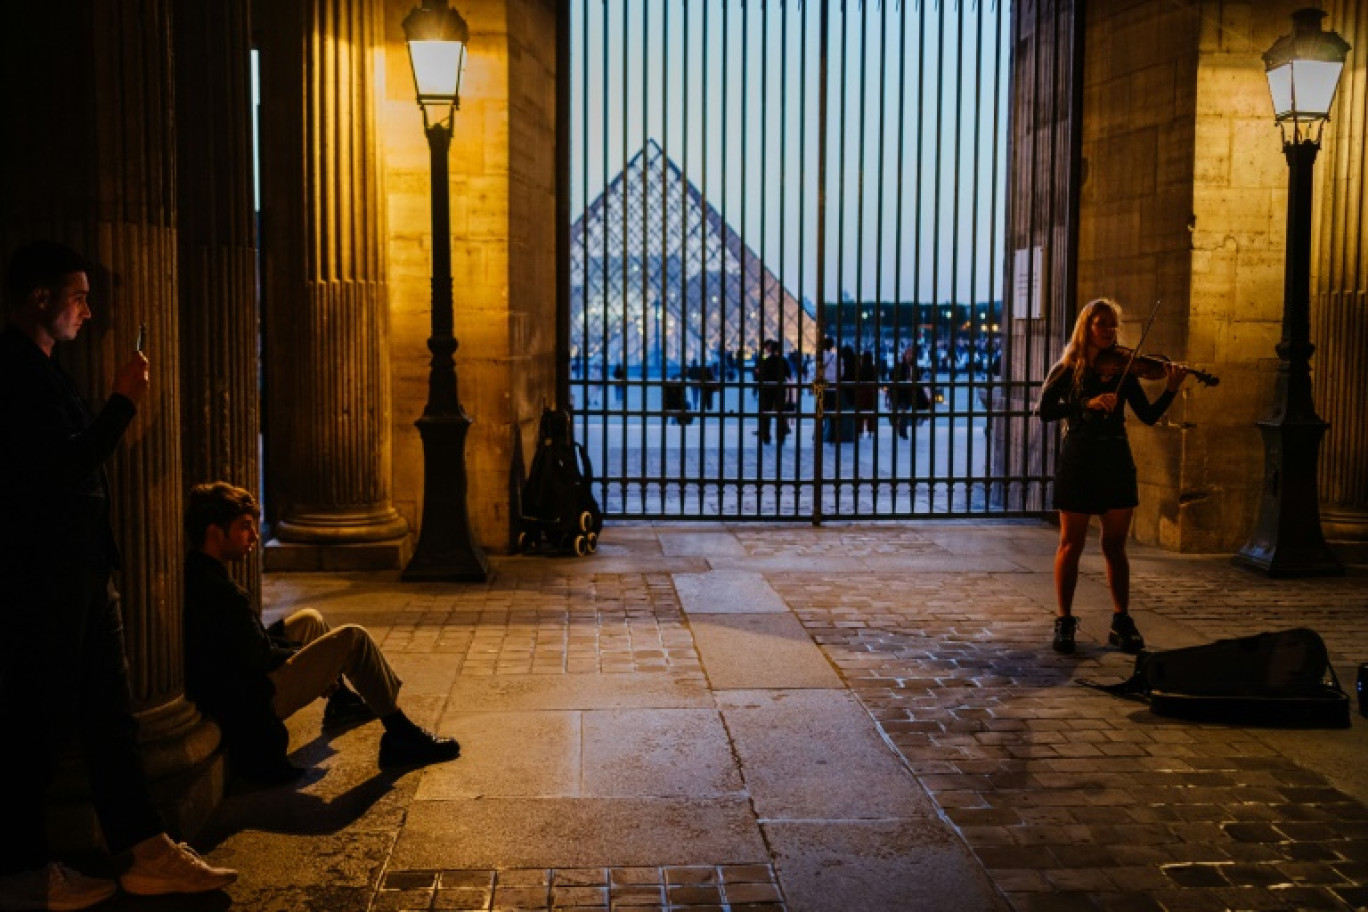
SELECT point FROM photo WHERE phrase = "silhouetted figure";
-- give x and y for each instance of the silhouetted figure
(63, 672)
(773, 379)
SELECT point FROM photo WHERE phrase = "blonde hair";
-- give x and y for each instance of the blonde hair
(1075, 357)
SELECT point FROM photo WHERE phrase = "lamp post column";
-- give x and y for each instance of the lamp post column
(1287, 539)
(446, 549)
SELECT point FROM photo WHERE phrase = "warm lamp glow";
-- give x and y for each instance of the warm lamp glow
(1303, 70)
(437, 67)
(437, 37)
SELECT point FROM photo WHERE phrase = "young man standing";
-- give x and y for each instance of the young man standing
(249, 679)
(63, 671)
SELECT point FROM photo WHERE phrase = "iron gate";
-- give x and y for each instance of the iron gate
(798, 172)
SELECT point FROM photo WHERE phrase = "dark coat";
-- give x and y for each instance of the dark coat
(54, 495)
(229, 656)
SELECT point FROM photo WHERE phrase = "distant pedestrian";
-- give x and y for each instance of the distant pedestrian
(907, 396)
(867, 396)
(829, 370)
(774, 377)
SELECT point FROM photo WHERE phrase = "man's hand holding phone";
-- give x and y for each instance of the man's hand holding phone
(133, 378)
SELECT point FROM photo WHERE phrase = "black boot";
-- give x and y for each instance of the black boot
(345, 707)
(405, 744)
(1064, 634)
(1124, 634)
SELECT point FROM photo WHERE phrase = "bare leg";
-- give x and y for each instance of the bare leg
(1115, 531)
(1073, 535)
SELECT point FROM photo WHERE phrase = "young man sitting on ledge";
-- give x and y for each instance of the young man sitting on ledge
(249, 678)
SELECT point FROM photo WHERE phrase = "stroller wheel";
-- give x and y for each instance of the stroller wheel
(586, 520)
(591, 540)
(581, 546)
(525, 543)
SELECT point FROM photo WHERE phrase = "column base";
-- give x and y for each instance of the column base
(328, 526)
(1344, 524)
(299, 557)
(184, 769)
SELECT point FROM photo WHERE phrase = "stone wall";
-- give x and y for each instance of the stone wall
(1135, 209)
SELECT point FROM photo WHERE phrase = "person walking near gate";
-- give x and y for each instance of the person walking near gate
(774, 377)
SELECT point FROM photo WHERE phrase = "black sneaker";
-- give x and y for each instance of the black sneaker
(345, 707)
(1064, 634)
(416, 747)
(1124, 634)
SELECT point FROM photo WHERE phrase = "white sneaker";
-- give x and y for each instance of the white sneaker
(53, 888)
(176, 868)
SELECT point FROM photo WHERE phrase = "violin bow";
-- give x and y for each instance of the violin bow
(1136, 350)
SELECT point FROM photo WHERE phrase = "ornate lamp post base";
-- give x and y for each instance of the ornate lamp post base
(446, 550)
(1287, 540)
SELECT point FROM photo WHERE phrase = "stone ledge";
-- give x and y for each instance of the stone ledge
(291, 557)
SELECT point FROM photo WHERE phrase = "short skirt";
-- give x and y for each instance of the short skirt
(1095, 474)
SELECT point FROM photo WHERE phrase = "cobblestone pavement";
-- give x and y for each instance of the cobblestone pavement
(1065, 797)
(1071, 798)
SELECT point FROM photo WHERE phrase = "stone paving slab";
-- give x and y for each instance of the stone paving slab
(710, 544)
(789, 742)
(744, 651)
(602, 691)
(577, 832)
(659, 753)
(509, 755)
(878, 866)
(727, 592)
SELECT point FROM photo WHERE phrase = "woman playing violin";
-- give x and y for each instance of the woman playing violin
(1095, 473)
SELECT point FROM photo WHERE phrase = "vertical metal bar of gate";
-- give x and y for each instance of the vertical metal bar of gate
(819, 431)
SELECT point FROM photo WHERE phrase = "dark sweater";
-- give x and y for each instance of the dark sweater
(228, 659)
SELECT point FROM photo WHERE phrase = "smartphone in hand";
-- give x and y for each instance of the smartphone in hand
(142, 337)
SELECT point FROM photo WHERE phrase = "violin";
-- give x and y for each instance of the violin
(1111, 361)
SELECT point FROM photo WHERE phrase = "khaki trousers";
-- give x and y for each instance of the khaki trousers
(327, 653)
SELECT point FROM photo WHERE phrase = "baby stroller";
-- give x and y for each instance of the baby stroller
(559, 512)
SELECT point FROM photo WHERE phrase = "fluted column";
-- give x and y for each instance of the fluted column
(96, 169)
(1340, 306)
(220, 429)
(328, 397)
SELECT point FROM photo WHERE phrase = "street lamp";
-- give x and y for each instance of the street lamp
(1303, 71)
(437, 37)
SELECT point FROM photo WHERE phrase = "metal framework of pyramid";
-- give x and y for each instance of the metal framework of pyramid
(659, 279)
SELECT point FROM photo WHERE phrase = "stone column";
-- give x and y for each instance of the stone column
(1340, 298)
(96, 169)
(220, 426)
(326, 321)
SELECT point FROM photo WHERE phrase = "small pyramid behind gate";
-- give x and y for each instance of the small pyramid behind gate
(655, 269)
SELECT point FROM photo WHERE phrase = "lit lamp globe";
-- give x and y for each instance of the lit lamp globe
(437, 37)
(1303, 71)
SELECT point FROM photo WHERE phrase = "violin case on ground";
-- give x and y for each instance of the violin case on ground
(1283, 678)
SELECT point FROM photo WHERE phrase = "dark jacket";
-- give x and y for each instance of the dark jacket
(1062, 398)
(228, 659)
(54, 495)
